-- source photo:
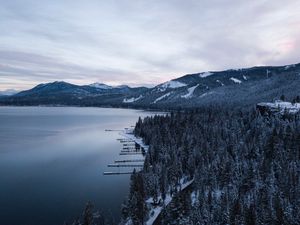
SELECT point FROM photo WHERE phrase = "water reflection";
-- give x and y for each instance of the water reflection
(52, 160)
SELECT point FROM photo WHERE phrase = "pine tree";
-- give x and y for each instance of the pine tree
(88, 214)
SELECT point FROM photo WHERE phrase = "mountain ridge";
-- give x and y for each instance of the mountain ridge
(8, 92)
(243, 86)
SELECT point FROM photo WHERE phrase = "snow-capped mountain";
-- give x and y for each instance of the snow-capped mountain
(237, 86)
(173, 84)
(63, 93)
(101, 86)
(108, 87)
(242, 86)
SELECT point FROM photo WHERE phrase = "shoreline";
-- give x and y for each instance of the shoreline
(154, 212)
(98, 107)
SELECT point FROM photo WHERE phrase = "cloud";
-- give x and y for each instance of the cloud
(34, 68)
(145, 42)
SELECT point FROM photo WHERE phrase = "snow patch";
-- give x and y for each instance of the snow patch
(220, 82)
(131, 100)
(245, 78)
(282, 107)
(206, 93)
(235, 80)
(205, 74)
(194, 197)
(190, 92)
(215, 193)
(289, 66)
(162, 97)
(100, 86)
(171, 84)
(155, 211)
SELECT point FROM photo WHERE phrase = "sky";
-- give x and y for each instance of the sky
(141, 42)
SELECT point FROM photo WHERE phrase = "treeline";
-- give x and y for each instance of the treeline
(91, 216)
(246, 167)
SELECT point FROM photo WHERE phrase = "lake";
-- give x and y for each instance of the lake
(52, 160)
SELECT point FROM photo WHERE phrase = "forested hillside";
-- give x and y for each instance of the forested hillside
(245, 166)
(242, 87)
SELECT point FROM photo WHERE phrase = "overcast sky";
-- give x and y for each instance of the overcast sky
(139, 42)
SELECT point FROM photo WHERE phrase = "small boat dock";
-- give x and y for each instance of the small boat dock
(132, 153)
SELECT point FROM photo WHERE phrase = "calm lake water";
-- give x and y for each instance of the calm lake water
(52, 160)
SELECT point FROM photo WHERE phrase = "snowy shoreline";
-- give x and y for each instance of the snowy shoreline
(154, 212)
(128, 133)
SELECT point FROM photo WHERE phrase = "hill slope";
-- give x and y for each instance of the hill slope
(62, 93)
(240, 86)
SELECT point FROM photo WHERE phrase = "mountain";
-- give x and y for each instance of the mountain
(246, 86)
(231, 87)
(101, 86)
(63, 93)
(8, 92)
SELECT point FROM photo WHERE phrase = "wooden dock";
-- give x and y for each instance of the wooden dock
(112, 130)
(116, 173)
(126, 141)
(131, 153)
(125, 165)
(129, 147)
(129, 160)
(132, 148)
